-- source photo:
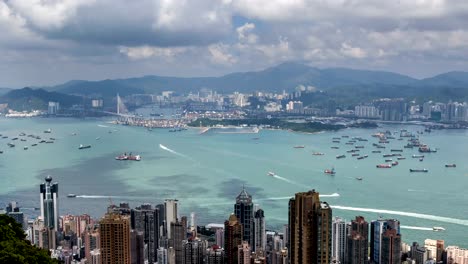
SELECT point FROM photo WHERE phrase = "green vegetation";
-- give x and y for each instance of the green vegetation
(27, 99)
(15, 249)
(308, 127)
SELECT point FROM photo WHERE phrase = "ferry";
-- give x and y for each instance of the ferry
(417, 156)
(299, 147)
(71, 195)
(340, 156)
(83, 146)
(438, 228)
(418, 170)
(48, 131)
(451, 165)
(331, 172)
(384, 166)
(272, 174)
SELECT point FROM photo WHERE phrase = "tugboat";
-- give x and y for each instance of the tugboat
(331, 172)
(418, 170)
(451, 165)
(84, 146)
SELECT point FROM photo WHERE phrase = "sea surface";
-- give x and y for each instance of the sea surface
(205, 172)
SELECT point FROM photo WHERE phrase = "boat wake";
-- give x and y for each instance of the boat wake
(417, 228)
(289, 197)
(286, 180)
(102, 126)
(161, 146)
(409, 214)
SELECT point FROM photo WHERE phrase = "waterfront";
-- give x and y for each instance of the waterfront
(206, 172)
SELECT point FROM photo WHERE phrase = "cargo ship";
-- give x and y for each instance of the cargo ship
(450, 165)
(417, 156)
(418, 170)
(384, 166)
(128, 157)
(340, 156)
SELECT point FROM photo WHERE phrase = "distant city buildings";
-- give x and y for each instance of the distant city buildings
(53, 108)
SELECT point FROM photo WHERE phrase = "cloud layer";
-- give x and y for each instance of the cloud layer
(50, 41)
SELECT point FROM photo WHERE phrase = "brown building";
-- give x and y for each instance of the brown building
(232, 238)
(115, 239)
(310, 226)
(358, 242)
(391, 247)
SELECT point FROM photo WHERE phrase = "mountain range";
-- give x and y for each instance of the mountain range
(339, 84)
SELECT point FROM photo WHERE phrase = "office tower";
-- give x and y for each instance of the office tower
(91, 241)
(232, 238)
(419, 254)
(243, 209)
(178, 234)
(193, 225)
(137, 247)
(378, 228)
(14, 212)
(243, 253)
(49, 203)
(391, 247)
(193, 251)
(215, 255)
(170, 212)
(357, 242)
(43, 237)
(219, 237)
(339, 239)
(259, 231)
(115, 239)
(310, 229)
(146, 219)
(162, 255)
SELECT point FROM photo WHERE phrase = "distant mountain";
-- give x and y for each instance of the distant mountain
(27, 99)
(4, 90)
(337, 82)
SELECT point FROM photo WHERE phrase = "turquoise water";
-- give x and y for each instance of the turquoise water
(206, 172)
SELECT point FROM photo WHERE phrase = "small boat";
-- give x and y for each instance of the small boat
(421, 159)
(335, 147)
(15, 138)
(418, 170)
(49, 142)
(23, 139)
(5, 137)
(25, 148)
(417, 156)
(388, 155)
(34, 145)
(318, 154)
(299, 146)
(336, 138)
(451, 165)
(22, 134)
(272, 174)
(355, 154)
(396, 150)
(340, 156)
(1, 151)
(345, 136)
(42, 141)
(98, 138)
(48, 131)
(359, 147)
(401, 158)
(438, 228)
(384, 166)
(71, 195)
(84, 146)
(11, 145)
(349, 143)
(336, 141)
(394, 163)
(52, 138)
(330, 171)
(376, 151)
(359, 178)
(388, 160)
(255, 138)
(73, 134)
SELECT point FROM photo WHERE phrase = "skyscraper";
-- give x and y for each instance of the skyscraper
(243, 209)
(339, 239)
(378, 228)
(215, 255)
(358, 242)
(243, 253)
(232, 238)
(170, 212)
(178, 234)
(137, 247)
(391, 247)
(193, 250)
(310, 229)
(259, 231)
(146, 219)
(49, 203)
(115, 239)
(162, 255)
(14, 212)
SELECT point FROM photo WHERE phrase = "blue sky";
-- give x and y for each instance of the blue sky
(46, 42)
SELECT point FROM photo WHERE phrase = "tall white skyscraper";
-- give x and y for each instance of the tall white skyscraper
(170, 208)
(339, 238)
(49, 203)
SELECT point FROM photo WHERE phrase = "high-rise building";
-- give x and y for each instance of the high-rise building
(162, 255)
(53, 108)
(378, 228)
(310, 229)
(170, 209)
(339, 239)
(14, 212)
(419, 254)
(95, 257)
(243, 209)
(259, 231)
(137, 247)
(232, 238)
(456, 255)
(49, 203)
(219, 236)
(214, 255)
(146, 219)
(91, 241)
(193, 251)
(243, 253)
(391, 247)
(178, 234)
(358, 242)
(115, 239)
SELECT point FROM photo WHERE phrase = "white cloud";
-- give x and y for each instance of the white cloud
(219, 54)
(146, 52)
(245, 35)
(352, 52)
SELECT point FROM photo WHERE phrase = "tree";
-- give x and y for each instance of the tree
(14, 248)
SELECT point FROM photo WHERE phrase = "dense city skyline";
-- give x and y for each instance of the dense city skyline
(50, 42)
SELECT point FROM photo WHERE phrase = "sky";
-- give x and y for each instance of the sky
(47, 42)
